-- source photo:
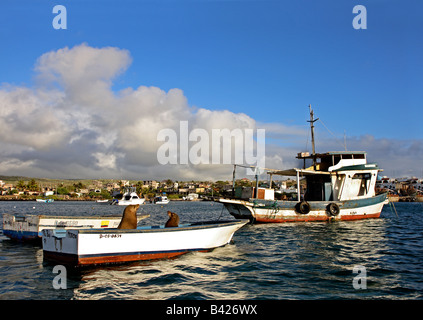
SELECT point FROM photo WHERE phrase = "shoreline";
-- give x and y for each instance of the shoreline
(2, 198)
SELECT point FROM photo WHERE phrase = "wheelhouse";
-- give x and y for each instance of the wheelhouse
(331, 172)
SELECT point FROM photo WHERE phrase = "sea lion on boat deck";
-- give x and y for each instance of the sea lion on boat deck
(173, 220)
(129, 217)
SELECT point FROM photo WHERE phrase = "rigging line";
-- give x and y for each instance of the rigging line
(337, 139)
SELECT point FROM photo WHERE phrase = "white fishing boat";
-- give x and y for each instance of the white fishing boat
(129, 197)
(161, 200)
(45, 200)
(97, 246)
(29, 227)
(339, 186)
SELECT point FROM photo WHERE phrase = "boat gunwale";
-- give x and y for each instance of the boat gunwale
(210, 224)
(365, 201)
(267, 203)
(43, 216)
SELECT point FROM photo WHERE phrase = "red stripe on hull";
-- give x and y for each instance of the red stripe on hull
(305, 218)
(128, 258)
(361, 216)
(72, 259)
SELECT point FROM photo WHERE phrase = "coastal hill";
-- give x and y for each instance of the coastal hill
(21, 188)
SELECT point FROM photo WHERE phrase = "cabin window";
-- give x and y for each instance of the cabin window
(363, 179)
(359, 156)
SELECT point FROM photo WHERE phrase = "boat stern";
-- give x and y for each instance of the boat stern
(60, 245)
(21, 227)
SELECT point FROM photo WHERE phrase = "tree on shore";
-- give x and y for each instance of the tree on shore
(33, 186)
(21, 185)
(78, 186)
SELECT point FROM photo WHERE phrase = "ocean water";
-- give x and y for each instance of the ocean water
(300, 261)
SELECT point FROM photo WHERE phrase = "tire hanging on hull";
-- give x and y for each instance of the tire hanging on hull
(333, 209)
(302, 207)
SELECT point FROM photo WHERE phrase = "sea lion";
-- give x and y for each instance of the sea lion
(129, 217)
(173, 220)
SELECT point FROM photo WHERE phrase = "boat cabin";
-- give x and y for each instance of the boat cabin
(335, 176)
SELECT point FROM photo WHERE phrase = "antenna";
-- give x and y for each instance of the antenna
(312, 121)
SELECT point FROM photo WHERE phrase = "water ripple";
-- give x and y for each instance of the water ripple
(275, 261)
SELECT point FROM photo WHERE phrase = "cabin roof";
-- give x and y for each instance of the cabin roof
(293, 172)
(310, 171)
(369, 166)
(307, 155)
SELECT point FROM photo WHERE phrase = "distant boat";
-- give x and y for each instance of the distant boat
(339, 186)
(29, 227)
(102, 201)
(45, 200)
(161, 200)
(129, 197)
(88, 247)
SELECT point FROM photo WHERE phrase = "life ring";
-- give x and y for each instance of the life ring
(302, 207)
(333, 209)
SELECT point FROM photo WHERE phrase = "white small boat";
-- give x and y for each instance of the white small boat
(102, 201)
(96, 246)
(161, 200)
(45, 200)
(29, 227)
(129, 197)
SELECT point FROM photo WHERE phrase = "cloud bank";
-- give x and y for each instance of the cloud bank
(72, 124)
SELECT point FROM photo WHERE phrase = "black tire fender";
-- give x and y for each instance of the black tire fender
(333, 209)
(302, 207)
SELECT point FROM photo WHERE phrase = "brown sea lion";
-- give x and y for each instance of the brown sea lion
(173, 220)
(129, 217)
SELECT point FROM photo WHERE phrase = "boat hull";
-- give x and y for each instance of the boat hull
(130, 202)
(44, 200)
(270, 211)
(90, 247)
(29, 227)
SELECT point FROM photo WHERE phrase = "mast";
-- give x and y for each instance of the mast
(312, 121)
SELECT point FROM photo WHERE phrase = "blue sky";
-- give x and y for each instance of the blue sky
(266, 59)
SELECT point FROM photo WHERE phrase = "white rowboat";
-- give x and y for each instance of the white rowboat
(88, 247)
(29, 227)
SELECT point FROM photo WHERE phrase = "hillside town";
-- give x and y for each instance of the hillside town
(401, 189)
(101, 189)
(22, 188)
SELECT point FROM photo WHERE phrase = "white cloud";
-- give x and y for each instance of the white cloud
(73, 119)
(28, 118)
(104, 160)
(85, 73)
